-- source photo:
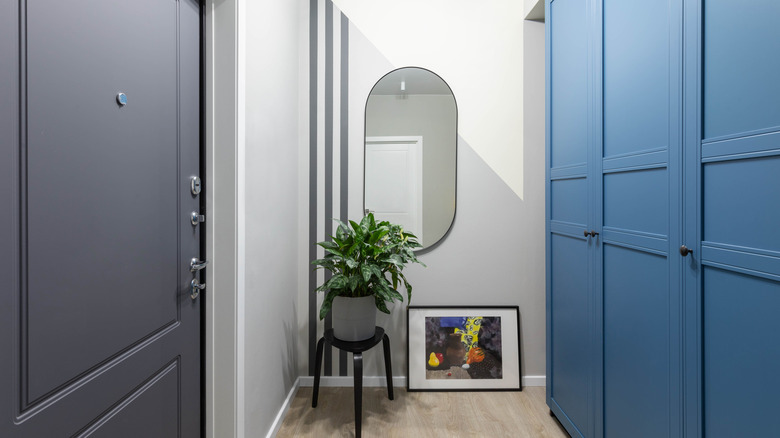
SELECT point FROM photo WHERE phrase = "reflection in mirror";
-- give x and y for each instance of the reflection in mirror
(411, 151)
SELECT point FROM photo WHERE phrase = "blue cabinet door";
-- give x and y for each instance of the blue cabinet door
(639, 78)
(570, 327)
(733, 190)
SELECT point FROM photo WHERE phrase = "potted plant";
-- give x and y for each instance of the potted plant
(366, 260)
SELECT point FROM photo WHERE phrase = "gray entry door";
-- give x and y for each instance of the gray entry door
(98, 333)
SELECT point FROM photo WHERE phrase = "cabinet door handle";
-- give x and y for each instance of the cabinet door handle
(586, 233)
(684, 251)
(593, 233)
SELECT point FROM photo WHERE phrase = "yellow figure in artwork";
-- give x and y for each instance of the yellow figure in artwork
(469, 334)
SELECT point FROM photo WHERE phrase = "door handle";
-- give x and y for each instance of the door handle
(197, 265)
(196, 218)
(195, 288)
(684, 251)
(593, 233)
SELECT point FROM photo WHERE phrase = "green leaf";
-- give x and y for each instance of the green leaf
(375, 270)
(327, 303)
(395, 259)
(336, 251)
(328, 245)
(338, 281)
(365, 223)
(366, 272)
(408, 289)
(322, 262)
(382, 293)
(393, 294)
(354, 282)
(380, 304)
(378, 234)
(357, 228)
(342, 226)
(353, 246)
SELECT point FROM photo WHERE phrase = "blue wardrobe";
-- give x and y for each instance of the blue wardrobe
(663, 217)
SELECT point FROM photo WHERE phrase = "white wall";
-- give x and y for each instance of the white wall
(494, 254)
(270, 220)
(533, 247)
(476, 46)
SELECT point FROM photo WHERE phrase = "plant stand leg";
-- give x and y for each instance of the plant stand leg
(358, 371)
(388, 366)
(317, 369)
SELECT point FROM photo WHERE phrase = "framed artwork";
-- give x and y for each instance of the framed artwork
(463, 348)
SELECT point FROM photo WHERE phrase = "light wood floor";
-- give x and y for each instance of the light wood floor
(422, 414)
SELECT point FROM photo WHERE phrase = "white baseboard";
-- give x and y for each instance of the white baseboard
(534, 380)
(283, 410)
(379, 381)
(346, 381)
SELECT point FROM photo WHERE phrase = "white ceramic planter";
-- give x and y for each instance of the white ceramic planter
(354, 319)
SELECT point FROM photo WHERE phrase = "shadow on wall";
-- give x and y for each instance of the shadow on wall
(290, 348)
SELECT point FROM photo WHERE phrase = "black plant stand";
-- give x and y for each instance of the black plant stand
(357, 349)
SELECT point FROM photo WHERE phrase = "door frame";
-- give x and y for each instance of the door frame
(223, 41)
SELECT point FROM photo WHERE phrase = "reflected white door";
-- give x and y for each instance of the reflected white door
(394, 184)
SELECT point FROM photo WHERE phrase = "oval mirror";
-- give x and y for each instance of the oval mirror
(411, 153)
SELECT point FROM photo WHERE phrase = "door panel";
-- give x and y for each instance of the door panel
(737, 176)
(569, 83)
(570, 355)
(99, 239)
(569, 292)
(736, 207)
(569, 200)
(640, 218)
(740, 86)
(162, 389)
(636, 343)
(636, 79)
(123, 228)
(637, 201)
(740, 343)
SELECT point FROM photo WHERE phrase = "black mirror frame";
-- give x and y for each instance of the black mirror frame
(434, 245)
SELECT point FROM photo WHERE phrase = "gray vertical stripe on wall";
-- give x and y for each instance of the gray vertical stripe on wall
(330, 115)
(312, 180)
(344, 137)
(328, 156)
